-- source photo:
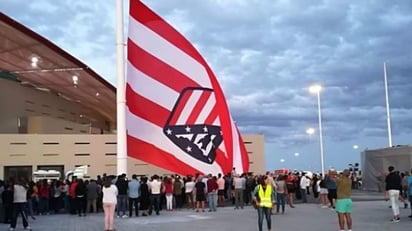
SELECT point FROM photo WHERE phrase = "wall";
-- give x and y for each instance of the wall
(97, 151)
(20, 101)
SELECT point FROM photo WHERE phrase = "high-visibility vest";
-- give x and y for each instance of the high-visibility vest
(265, 196)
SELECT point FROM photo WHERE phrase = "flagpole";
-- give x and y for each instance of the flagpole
(120, 93)
(388, 113)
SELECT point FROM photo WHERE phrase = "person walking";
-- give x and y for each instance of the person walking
(393, 188)
(263, 200)
(344, 201)
(109, 203)
(19, 205)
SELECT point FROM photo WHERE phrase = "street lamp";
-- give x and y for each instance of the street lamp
(316, 89)
(310, 131)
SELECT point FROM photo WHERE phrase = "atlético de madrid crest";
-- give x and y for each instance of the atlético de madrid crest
(193, 124)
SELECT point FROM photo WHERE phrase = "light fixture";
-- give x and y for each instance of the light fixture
(34, 61)
(315, 89)
(97, 93)
(75, 80)
(310, 131)
(355, 146)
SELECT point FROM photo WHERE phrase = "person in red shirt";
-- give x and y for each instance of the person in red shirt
(212, 188)
(169, 193)
(44, 196)
(72, 195)
(290, 185)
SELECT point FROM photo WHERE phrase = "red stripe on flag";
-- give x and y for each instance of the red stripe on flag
(221, 158)
(149, 153)
(147, 17)
(157, 69)
(197, 109)
(146, 109)
(244, 154)
(181, 105)
(212, 116)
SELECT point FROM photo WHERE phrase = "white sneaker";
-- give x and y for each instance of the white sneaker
(27, 228)
(11, 229)
(125, 216)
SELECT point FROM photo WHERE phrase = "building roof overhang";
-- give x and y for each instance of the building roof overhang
(53, 70)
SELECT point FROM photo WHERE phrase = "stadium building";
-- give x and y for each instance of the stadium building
(57, 113)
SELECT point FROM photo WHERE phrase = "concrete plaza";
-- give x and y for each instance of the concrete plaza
(367, 216)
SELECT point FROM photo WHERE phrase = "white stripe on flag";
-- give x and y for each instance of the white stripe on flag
(188, 108)
(237, 154)
(150, 88)
(167, 52)
(211, 102)
(148, 132)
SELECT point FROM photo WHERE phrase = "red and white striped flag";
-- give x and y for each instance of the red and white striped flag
(177, 117)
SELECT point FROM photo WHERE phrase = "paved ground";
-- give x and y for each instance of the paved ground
(367, 216)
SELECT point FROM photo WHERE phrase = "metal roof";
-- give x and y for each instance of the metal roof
(53, 70)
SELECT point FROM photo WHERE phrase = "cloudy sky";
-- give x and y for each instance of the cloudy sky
(266, 53)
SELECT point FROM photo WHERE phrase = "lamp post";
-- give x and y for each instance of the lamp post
(315, 89)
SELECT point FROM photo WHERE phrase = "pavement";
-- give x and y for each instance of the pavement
(367, 216)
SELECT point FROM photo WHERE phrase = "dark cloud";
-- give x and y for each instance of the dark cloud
(266, 54)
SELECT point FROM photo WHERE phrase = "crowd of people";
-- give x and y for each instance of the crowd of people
(121, 197)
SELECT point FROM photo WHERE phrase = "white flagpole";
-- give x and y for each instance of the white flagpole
(388, 113)
(120, 93)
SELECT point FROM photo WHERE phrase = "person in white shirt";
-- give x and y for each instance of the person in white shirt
(110, 193)
(190, 184)
(238, 185)
(155, 188)
(19, 202)
(303, 183)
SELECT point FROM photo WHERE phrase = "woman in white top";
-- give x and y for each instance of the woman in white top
(109, 204)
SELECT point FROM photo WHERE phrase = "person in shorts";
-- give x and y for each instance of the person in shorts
(200, 192)
(344, 201)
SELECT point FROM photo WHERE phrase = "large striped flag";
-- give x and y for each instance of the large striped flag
(177, 117)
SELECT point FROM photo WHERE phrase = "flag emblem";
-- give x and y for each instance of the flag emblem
(196, 138)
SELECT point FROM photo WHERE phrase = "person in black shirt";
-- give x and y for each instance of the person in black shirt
(200, 188)
(393, 188)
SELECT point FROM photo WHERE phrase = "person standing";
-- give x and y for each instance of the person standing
(134, 194)
(155, 189)
(178, 191)
(200, 191)
(393, 188)
(92, 193)
(109, 203)
(220, 191)
(81, 199)
(344, 201)
(303, 184)
(121, 185)
(168, 189)
(189, 186)
(212, 193)
(263, 197)
(281, 192)
(19, 205)
(237, 184)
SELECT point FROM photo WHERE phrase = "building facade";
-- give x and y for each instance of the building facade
(58, 114)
